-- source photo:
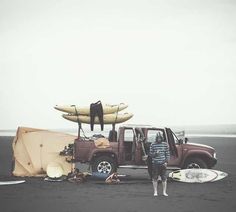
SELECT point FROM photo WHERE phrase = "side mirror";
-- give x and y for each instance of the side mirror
(186, 140)
(181, 141)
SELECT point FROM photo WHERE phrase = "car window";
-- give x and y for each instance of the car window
(175, 138)
(128, 135)
(151, 135)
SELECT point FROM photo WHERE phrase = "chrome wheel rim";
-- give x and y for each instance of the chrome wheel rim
(104, 167)
(193, 166)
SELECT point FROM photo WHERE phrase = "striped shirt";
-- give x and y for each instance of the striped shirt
(159, 152)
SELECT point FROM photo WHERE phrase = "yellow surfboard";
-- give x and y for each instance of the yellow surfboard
(107, 109)
(107, 118)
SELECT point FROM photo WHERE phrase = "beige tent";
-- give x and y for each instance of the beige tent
(34, 149)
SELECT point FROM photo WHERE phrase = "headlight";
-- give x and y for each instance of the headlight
(214, 155)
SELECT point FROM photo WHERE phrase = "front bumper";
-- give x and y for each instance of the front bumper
(212, 162)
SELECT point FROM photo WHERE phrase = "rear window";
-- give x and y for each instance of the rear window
(128, 135)
(151, 135)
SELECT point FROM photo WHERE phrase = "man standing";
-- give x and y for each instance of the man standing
(159, 152)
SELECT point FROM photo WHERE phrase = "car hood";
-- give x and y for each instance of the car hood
(200, 145)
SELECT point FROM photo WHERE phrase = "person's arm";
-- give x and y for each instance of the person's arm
(151, 152)
(167, 153)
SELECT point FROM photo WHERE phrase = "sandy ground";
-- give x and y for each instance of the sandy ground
(134, 195)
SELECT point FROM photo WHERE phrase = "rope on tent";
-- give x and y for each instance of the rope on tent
(41, 161)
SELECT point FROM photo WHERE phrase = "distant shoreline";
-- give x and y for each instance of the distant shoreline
(12, 134)
(221, 130)
(212, 135)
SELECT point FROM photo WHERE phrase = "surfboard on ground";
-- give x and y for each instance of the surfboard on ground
(220, 175)
(197, 175)
(60, 179)
(107, 118)
(54, 170)
(13, 182)
(107, 109)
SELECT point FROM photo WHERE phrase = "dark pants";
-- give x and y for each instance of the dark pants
(96, 110)
(149, 165)
(159, 170)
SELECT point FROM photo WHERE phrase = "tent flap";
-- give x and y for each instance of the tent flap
(34, 149)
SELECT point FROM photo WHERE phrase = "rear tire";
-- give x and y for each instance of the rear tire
(195, 163)
(104, 164)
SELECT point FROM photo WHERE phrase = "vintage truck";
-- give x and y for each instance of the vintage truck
(129, 148)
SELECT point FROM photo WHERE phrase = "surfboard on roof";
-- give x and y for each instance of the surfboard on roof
(107, 118)
(74, 109)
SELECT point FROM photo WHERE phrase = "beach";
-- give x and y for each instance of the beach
(133, 195)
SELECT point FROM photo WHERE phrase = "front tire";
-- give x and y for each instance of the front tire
(195, 163)
(104, 165)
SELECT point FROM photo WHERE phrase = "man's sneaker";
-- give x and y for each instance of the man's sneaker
(165, 194)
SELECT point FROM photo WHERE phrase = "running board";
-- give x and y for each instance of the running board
(132, 167)
(145, 167)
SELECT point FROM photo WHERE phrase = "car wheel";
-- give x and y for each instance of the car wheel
(196, 163)
(104, 164)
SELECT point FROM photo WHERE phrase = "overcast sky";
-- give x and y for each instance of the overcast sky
(173, 62)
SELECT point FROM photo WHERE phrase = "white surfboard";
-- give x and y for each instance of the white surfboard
(197, 175)
(220, 175)
(54, 170)
(107, 109)
(13, 182)
(60, 179)
(107, 118)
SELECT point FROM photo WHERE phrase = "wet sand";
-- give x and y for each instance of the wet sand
(134, 195)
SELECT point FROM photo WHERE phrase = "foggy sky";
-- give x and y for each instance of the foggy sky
(172, 62)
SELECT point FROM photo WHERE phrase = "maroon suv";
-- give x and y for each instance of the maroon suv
(129, 148)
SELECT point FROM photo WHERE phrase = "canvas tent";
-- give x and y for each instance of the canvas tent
(34, 149)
